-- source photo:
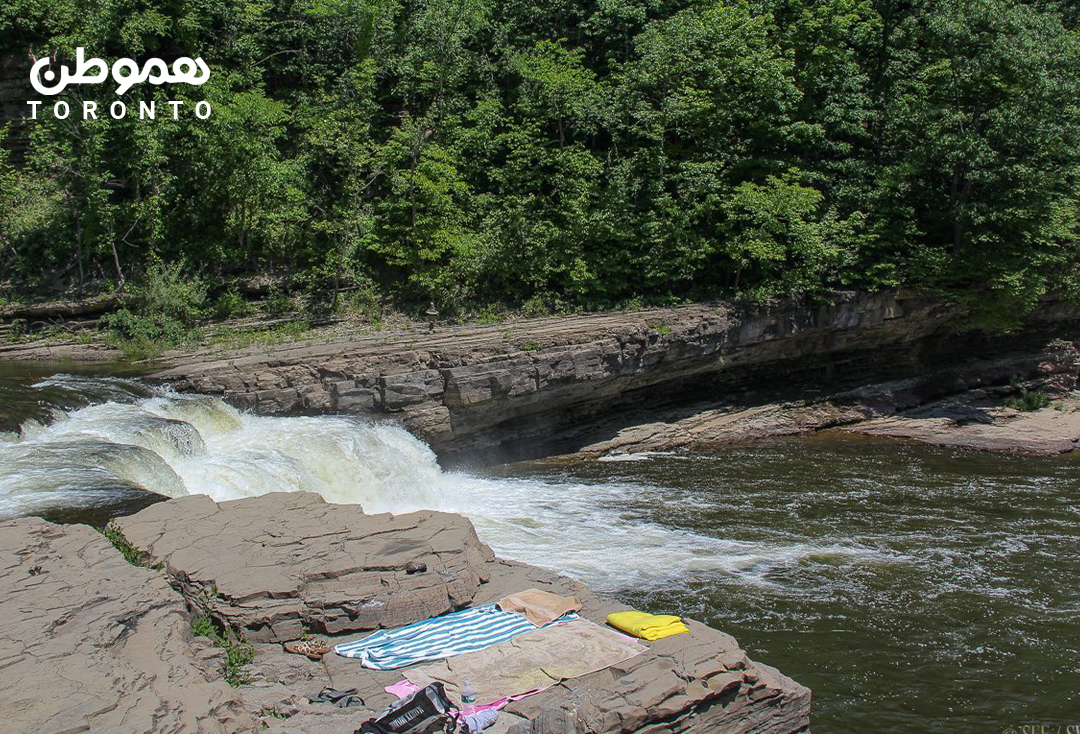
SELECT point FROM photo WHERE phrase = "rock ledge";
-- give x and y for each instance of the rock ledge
(99, 645)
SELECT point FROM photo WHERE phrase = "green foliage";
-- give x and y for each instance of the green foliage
(490, 314)
(17, 330)
(203, 626)
(281, 303)
(238, 653)
(231, 304)
(778, 237)
(131, 554)
(159, 311)
(1028, 400)
(166, 293)
(279, 334)
(551, 157)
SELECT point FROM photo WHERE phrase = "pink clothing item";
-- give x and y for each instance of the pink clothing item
(404, 687)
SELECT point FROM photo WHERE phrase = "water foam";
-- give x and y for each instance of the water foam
(175, 444)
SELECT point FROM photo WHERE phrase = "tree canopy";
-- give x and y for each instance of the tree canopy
(578, 153)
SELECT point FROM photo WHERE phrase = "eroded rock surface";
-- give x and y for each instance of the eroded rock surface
(94, 644)
(964, 424)
(274, 562)
(991, 414)
(283, 563)
(549, 386)
(966, 405)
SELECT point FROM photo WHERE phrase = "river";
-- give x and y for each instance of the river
(910, 587)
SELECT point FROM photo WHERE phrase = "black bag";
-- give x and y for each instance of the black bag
(426, 710)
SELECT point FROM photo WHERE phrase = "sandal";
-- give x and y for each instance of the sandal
(313, 647)
(333, 695)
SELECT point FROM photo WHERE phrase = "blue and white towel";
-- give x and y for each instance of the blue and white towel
(439, 637)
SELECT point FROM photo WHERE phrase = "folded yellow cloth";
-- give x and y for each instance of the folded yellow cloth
(647, 626)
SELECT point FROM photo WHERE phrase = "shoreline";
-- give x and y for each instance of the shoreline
(886, 363)
(273, 568)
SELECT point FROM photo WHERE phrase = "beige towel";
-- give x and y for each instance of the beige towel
(539, 607)
(531, 661)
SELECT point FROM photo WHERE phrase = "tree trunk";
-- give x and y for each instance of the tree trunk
(119, 272)
(79, 252)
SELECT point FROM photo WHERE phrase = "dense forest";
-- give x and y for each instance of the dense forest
(561, 153)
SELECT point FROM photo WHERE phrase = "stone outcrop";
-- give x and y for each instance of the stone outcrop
(94, 644)
(961, 423)
(265, 564)
(546, 386)
(986, 408)
(280, 564)
(965, 405)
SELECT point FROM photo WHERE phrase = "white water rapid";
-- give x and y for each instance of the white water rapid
(138, 439)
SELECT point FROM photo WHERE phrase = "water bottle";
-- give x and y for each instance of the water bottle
(468, 699)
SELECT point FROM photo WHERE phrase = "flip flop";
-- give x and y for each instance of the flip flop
(350, 701)
(313, 648)
(333, 695)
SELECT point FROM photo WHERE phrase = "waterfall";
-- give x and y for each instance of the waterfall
(123, 439)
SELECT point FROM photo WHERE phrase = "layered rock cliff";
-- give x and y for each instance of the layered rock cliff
(546, 386)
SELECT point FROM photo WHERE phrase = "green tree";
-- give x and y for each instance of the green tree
(707, 104)
(980, 138)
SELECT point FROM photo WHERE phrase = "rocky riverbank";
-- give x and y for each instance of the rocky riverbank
(97, 643)
(889, 363)
(660, 379)
(975, 404)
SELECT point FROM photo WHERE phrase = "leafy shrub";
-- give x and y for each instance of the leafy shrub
(535, 307)
(281, 303)
(131, 554)
(159, 311)
(231, 304)
(1028, 400)
(238, 653)
(491, 314)
(164, 293)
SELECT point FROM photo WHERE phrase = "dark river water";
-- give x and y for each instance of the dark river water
(912, 588)
(945, 596)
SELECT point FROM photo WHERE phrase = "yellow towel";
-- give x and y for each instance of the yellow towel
(647, 626)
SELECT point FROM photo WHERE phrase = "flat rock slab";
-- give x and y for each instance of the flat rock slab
(94, 644)
(1045, 432)
(273, 564)
(279, 565)
(701, 682)
(972, 413)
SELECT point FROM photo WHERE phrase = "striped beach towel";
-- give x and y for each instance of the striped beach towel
(439, 637)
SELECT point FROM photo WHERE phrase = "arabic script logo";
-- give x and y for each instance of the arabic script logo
(125, 72)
